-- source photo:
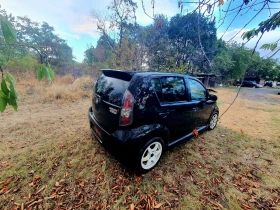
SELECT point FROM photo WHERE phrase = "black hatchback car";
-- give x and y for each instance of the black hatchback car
(140, 114)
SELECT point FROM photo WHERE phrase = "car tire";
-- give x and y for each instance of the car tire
(150, 154)
(213, 120)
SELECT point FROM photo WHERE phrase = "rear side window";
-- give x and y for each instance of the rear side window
(170, 89)
(111, 89)
(198, 92)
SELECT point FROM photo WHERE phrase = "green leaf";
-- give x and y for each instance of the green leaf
(273, 46)
(8, 31)
(13, 102)
(4, 87)
(3, 95)
(265, 46)
(13, 92)
(46, 73)
(51, 73)
(3, 103)
(40, 72)
(10, 78)
(8, 95)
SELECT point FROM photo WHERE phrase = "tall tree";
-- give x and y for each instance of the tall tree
(122, 14)
(49, 47)
(184, 35)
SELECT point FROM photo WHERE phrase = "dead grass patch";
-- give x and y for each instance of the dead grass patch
(66, 79)
(65, 89)
(61, 95)
(254, 118)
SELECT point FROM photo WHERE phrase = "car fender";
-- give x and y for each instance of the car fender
(140, 135)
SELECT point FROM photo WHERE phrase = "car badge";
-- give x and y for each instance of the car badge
(112, 110)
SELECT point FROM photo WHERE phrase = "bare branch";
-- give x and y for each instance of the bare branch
(145, 10)
(232, 20)
(247, 23)
(275, 53)
(199, 38)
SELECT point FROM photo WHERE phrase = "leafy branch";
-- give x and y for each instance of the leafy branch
(8, 93)
(265, 26)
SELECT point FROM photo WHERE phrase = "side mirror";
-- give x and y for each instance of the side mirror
(212, 97)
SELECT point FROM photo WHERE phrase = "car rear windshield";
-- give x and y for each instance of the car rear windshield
(111, 88)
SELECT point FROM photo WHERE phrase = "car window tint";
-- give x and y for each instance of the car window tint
(173, 89)
(157, 87)
(198, 92)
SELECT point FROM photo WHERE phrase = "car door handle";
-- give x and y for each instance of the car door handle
(164, 115)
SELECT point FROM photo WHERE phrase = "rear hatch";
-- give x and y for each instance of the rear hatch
(108, 96)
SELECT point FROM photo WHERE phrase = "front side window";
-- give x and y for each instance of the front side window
(173, 89)
(169, 89)
(198, 92)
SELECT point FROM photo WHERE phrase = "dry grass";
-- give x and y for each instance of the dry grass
(48, 152)
(64, 89)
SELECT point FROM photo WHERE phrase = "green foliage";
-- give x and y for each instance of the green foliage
(33, 37)
(232, 62)
(181, 69)
(26, 63)
(271, 46)
(44, 71)
(8, 31)
(265, 26)
(183, 34)
(8, 93)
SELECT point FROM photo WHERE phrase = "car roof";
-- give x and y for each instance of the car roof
(145, 73)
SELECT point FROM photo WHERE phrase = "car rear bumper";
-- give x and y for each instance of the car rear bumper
(118, 145)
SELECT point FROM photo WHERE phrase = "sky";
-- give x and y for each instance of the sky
(73, 22)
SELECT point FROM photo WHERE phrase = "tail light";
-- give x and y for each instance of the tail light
(127, 109)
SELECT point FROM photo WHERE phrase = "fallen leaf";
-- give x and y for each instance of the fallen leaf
(159, 205)
(68, 165)
(7, 181)
(3, 190)
(252, 200)
(195, 132)
(131, 207)
(250, 175)
(250, 191)
(41, 190)
(35, 178)
(256, 184)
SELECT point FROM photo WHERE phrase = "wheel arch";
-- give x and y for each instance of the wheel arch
(144, 133)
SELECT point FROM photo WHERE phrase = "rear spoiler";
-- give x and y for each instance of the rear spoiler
(119, 74)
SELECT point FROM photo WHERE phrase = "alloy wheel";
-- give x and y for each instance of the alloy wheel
(213, 121)
(151, 155)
